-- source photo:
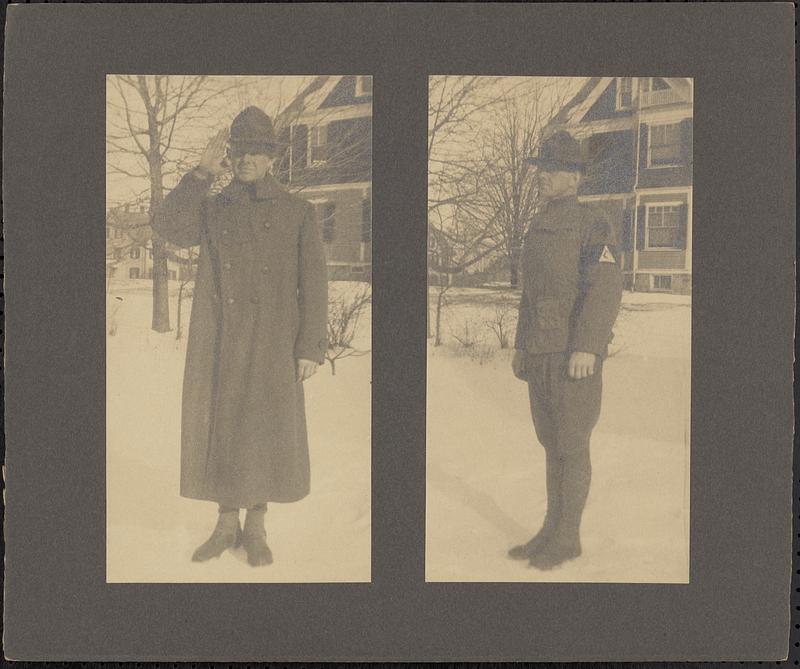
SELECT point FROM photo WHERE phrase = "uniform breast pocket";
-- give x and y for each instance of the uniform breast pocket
(548, 314)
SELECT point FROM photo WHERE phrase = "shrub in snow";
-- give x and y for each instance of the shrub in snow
(345, 309)
(503, 322)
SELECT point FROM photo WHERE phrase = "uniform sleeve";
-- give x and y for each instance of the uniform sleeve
(179, 218)
(312, 291)
(523, 321)
(601, 289)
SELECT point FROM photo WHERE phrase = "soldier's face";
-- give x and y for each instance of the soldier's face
(557, 183)
(249, 167)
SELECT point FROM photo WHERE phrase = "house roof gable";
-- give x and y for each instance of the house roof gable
(576, 109)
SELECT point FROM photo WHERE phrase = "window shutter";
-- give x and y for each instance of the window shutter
(686, 141)
(683, 225)
(640, 216)
(642, 146)
(300, 147)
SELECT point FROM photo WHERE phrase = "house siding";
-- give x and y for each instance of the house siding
(606, 105)
(345, 249)
(611, 163)
(344, 94)
(662, 259)
(350, 142)
(342, 176)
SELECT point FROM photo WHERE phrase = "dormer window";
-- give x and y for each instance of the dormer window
(363, 86)
(624, 92)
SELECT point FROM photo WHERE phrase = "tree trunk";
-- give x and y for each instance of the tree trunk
(160, 273)
(439, 303)
(513, 261)
(333, 366)
(178, 332)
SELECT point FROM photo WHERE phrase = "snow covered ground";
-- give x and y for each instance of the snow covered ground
(485, 469)
(152, 531)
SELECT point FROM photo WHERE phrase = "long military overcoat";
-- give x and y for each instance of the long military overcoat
(260, 302)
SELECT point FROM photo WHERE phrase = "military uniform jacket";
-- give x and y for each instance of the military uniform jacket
(571, 281)
(260, 302)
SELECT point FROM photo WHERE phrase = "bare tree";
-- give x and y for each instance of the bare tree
(509, 194)
(148, 137)
(344, 313)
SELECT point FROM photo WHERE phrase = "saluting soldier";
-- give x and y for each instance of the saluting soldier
(572, 287)
(257, 331)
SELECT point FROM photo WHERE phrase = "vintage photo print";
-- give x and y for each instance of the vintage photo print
(238, 291)
(559, 328)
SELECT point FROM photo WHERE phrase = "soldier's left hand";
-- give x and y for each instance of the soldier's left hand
(581, 365)
(305, 369)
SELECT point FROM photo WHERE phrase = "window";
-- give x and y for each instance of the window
(172, 275)
(363, 86)
(648, 84)
(664, 145)
(133, 273)
(663, 227)
(326, 217)
(135, 253)
(662, 282)
(357, 269)
(117, 233)
(366, 221)
(118, 254)
(318, 144)
(624, 92)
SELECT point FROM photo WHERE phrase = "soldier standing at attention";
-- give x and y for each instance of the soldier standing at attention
(572, 287)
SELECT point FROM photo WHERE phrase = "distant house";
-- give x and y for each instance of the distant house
(129, 252)
(636, 133)
(328, 129)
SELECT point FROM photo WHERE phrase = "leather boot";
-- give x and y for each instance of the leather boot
(227, 534)
(527, 550)
(254, 537)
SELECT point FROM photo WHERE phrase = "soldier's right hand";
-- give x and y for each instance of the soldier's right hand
(212, 162)
(518, 365)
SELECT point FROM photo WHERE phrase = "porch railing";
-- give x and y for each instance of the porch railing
(666, 96)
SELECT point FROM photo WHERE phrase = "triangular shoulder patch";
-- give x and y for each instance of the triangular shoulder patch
(606, 256)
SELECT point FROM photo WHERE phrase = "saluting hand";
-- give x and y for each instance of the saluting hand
(581, 365)
(212, 161)
(305, 369)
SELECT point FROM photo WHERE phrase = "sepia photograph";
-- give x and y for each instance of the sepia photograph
(559, 329)
(238, 292)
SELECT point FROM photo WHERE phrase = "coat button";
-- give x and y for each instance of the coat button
(230, 300)
(267, 224)
(227, 265)
(264, 269)
(225, 232)
(254, 300)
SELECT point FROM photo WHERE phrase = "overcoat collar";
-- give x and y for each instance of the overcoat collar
(265, 189)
